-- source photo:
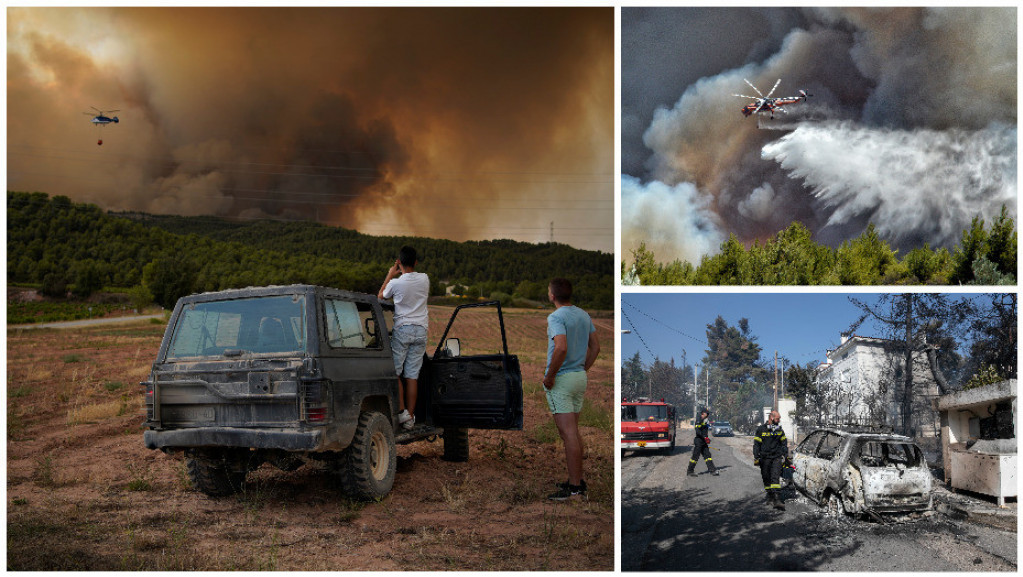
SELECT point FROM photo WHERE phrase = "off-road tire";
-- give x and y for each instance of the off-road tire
(456, 445)
(213, 476)
(367, 466)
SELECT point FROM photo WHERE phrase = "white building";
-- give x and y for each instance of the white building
(862, 382)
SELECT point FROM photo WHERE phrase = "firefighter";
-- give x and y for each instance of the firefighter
(701, 445)
(770, 452)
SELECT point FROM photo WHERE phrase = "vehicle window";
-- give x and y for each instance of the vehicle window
(895, 455)
(829, 446)
(638, 413)
(809, 444)
(256, 325)
(346, 324)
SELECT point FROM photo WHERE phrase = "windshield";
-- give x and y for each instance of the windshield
(254, 325)
(634, 413)
(721, 424)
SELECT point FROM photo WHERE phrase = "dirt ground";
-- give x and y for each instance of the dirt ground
(84, 493)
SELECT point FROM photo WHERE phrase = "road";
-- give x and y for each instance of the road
(671, 522)
(86, 322)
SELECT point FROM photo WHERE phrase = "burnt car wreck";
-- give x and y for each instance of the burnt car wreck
(862, 473)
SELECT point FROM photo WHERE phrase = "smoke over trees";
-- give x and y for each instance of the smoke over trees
(911, 129)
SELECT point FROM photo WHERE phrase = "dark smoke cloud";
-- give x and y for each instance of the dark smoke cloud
(911, 127)
(454, 123)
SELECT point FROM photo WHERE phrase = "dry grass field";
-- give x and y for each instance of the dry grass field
(83, 493)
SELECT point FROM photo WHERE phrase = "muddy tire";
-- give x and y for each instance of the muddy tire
(212, 475)
(369, 463)
(456, 445)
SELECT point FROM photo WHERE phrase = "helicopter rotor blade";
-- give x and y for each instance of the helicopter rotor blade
(755, 89)
(750, 97)
(773, 87)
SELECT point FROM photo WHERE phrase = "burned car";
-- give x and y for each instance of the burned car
(862, 473)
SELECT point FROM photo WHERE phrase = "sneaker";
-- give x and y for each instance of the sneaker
(582, 483)
(567, 491)
(411, 422)
(404, 417)
(715, 473)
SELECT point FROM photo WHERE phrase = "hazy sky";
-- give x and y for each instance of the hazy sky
(459, 123)
(800, 326)
(911, 126)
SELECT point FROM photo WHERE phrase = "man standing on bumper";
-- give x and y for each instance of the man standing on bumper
(411, 323)
(770, 449)
(572, 348)
(701, 445)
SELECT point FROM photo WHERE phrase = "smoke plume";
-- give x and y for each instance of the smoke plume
(911, 126)
(450, 123)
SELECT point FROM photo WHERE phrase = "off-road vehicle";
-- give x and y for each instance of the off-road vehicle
(296, 373)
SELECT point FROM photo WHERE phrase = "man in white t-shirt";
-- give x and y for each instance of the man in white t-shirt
(411, 323)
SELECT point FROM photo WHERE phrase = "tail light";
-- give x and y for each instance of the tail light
(315, 402)
(150, 402)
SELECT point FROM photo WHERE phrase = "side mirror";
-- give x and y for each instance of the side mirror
(452, 348)
(371, 326)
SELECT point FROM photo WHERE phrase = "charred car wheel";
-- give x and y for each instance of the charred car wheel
(211, 473)
(369, 463)
(834, 505)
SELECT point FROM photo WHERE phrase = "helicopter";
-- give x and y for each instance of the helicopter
(762, 104)
(101, 119)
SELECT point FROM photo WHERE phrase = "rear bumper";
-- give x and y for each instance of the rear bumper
(234, 437)
(900, 503)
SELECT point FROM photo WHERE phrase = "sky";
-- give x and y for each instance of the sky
(911, 125)
(457, 123)
(800, 326)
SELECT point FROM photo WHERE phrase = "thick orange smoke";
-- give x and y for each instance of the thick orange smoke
(450, 123)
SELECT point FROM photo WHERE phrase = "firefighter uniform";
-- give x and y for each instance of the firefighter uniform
(701, 446)
(770, 449)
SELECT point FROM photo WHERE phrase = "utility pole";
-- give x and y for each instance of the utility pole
(696, 389)
(707, 373)
(774, 407)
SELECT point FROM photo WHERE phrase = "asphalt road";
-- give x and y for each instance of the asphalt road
(671, 522)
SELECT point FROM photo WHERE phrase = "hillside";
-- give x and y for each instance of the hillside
(53, 241)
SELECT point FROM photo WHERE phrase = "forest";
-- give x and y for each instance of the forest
(984, 256)
(67, 247)
(970, 339)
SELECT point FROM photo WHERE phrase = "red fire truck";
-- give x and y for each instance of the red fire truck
(648, 425)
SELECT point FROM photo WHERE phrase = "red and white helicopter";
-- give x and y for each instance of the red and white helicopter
(765, 104)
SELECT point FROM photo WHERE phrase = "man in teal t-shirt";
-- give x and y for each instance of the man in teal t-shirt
(572, 348)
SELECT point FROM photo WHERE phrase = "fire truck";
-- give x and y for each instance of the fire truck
(648, 425)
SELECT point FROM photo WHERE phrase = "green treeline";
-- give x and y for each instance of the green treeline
(984, 256)
(65, 246)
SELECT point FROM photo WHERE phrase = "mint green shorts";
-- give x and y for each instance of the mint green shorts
(567, 394)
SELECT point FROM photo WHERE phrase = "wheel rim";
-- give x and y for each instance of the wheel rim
(834, 505)
(378, 456)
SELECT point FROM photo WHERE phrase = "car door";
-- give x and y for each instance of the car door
(819, 467)
(474, 383)
(801, 456)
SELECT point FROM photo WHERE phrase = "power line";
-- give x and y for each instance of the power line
(658, 321)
